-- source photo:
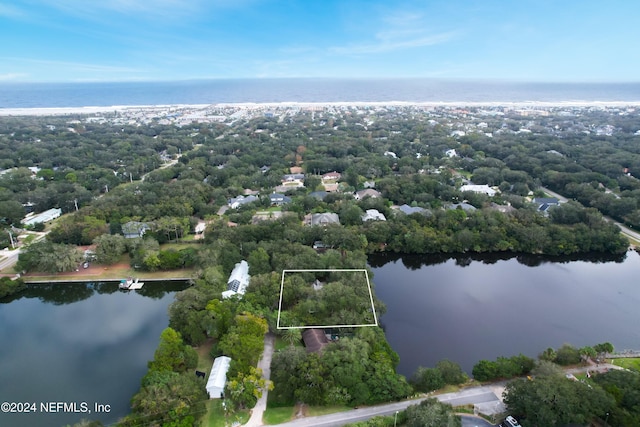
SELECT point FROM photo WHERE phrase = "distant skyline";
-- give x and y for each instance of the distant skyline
(164, 40)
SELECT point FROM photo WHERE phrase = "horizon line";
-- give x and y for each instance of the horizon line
(9, 82)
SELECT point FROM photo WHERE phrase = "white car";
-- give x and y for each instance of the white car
(510, 422)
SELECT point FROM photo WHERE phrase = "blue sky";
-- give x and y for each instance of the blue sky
(135, 40)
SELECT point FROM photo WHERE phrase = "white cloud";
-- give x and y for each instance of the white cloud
(386, 42)
(12, 76)
(170, 10)
(79, 66)
(10, 11)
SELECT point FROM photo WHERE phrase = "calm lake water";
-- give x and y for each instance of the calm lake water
(78, 343)
(467, 309)
(91, 343)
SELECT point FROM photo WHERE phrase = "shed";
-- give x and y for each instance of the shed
(218, 377)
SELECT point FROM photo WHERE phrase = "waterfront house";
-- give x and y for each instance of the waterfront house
(238, 280)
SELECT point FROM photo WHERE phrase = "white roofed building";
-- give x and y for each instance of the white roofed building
(483, 189)
(43, 217)
(218, 377)
(238, 280)
(373, 215)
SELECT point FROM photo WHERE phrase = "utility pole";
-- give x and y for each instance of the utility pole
(13, 245)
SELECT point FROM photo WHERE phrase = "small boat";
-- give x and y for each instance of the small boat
(130, 284)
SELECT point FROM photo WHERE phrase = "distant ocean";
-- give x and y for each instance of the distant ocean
(42, 95)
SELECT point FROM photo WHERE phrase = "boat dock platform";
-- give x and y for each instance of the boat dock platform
(130, 284)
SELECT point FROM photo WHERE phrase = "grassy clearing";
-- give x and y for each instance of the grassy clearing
(631, 363)
(111, 272)
(178, 246)
(278, 415)
(464, 409)
(282, 344)
(215, 416)
(448, 389)
(204, 358)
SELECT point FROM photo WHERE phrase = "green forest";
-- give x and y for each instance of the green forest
(310, 190)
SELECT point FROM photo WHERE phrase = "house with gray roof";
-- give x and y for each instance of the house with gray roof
(409, 210)
(545, 203)
(134, 229)
(278, 199)
(236, 202)
(322, 219)
(464, 206)
(369, 192)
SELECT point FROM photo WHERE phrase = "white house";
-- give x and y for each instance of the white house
(43, 217)
(218, 377)
(373, 215)
(483, 189)
(236, 202)
(238, 280)
(451, 153)
(390, 154)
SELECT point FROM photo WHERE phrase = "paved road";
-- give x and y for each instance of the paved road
(8, 258)
(554, 194)
(473, 395)
(470, 421)
(459, 399)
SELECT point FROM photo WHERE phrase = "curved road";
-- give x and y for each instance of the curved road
(483, 394)
(623, 229)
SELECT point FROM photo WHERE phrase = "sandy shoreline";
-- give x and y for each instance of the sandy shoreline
(88, 110)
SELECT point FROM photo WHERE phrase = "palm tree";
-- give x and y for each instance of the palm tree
(292, 336)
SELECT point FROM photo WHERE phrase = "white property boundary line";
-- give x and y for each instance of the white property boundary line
(352, 270)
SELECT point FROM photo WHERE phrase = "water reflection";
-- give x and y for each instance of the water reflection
(473, 307)
(79, 342)
(61, 293)
(415, 262)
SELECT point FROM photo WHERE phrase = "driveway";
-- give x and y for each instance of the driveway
(265, 365)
